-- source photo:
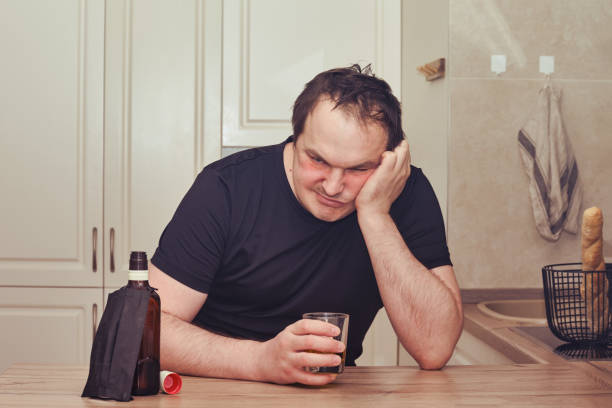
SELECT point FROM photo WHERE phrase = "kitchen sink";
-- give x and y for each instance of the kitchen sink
(531, 311)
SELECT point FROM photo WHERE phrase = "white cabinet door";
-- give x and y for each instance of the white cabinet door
(160, 60)
(48, 325)
(271, 48)
(51, 82)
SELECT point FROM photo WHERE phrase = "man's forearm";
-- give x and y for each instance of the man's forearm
(425, 314)
(189, 349)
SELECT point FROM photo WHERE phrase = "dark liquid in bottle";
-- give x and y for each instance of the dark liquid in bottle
(146, 377)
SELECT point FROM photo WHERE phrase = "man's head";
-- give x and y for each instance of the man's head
(343, 121)
(356, 91)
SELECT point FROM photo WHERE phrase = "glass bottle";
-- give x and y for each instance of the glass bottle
(146, 377)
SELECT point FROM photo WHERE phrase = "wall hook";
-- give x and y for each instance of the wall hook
(433, 70)
(547, 64)
(498, 64)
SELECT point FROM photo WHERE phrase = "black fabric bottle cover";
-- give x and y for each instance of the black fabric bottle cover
(116, 345)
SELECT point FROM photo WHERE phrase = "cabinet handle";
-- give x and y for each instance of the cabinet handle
(94, 316)
(112, 250)
(94, 258)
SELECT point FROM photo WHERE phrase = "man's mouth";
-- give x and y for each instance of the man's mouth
(329, 201)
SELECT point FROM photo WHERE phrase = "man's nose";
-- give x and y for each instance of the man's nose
(334, 183)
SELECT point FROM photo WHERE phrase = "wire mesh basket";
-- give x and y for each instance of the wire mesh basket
(578, 306)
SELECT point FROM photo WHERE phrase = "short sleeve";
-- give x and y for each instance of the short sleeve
(419, 218)
(191, 247)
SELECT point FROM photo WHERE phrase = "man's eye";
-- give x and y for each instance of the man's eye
(360, 169)
(316, 159)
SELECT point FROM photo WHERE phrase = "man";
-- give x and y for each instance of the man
(333, 219)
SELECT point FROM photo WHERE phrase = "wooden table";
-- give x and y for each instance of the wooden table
(577, 384)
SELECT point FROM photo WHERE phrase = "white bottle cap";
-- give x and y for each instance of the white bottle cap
(169, 382)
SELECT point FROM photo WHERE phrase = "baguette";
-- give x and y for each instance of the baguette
(594, 286)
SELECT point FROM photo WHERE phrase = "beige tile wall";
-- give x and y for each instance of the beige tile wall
(491, 231)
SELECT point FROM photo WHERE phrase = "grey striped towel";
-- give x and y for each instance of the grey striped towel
(548, 159)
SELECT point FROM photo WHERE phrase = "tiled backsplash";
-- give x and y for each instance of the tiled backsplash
(491, 229)
(577, 32)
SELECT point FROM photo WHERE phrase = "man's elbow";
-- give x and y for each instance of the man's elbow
(434, 361)
(441, 349)
(437, 354)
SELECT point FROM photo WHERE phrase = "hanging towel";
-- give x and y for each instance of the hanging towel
(548, 159)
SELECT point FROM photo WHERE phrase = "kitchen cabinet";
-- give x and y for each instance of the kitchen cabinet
(48, 324)
(102, 129)
(102, 133)
(109, 110)
(52, 77)
(51, 161)
(162, 61)
(271, 48)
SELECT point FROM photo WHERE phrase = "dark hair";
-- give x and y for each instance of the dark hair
(356, 90)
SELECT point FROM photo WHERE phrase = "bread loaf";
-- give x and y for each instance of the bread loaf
(594, 286)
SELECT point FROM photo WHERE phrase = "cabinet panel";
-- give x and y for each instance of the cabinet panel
(51, 78)
(271, 48)
(380, 345)
(154, 120)
(48, 325)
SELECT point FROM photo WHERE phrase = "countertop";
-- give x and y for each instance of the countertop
(571, 384)
(509, 337)
(541, 378)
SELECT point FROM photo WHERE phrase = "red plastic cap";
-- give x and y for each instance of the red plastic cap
(171, 383)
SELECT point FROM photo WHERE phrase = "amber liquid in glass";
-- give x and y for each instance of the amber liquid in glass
(335, 369)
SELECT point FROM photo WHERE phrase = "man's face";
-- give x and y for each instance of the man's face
(332, 159)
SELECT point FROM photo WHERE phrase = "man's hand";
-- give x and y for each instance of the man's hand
(386, 183)
(305, 343)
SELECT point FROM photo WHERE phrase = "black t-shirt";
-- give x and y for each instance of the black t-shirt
(241, 236)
